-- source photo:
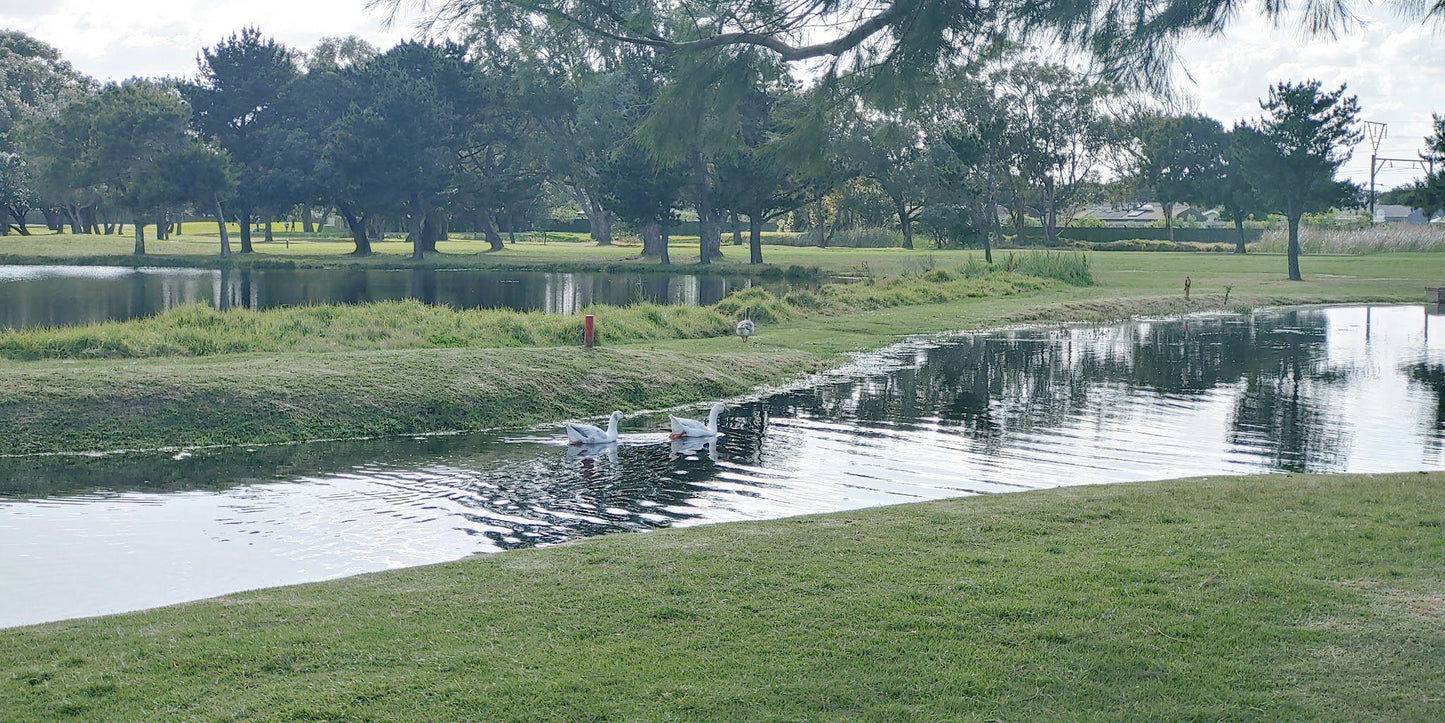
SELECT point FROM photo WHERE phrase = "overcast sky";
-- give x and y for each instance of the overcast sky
(1397, 68)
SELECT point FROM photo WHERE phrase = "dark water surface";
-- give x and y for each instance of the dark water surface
(32, 296)
(1343, 389)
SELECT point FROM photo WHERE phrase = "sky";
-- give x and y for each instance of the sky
(1396, 67)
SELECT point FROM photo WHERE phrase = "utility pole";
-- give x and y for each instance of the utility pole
(1377, 132)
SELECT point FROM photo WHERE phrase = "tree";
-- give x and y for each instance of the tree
(892, 150)
(1428, 194)
(34, 81)
(1291, 156)
(202, 177)
(1177, 159)
(1057, 130)
(235, 102)
(1231, 189)
(892, 43)
(119, 140)
(643, 192)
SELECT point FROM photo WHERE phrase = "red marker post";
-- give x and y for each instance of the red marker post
(589, 334)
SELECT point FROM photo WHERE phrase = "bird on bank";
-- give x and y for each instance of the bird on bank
(682, 427)
(745, 329)
(580, 433)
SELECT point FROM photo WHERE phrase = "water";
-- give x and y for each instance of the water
(1344, 389)
(32, 296)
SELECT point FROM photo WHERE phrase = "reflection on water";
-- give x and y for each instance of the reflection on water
(1348, 389)
(32, 296)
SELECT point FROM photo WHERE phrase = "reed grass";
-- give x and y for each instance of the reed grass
(1395, 238)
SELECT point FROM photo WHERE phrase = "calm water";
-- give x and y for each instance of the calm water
(33, 296)
(1347, 389)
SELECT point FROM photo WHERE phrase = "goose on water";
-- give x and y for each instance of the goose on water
(580, 433)
(745, 329)
(692, 428)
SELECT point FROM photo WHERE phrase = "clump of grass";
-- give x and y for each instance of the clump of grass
(1071, 268)
(757, 304)
(1395, 238)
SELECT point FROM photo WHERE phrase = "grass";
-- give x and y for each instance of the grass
(1394, 238)
(81, 404)
(1258, 598)
(204, 331)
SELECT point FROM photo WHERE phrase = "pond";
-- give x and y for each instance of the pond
(32, 296)
(1313, 390)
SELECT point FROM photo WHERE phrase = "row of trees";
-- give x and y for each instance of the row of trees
(494, 131)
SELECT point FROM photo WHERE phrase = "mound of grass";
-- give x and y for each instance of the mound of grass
(199, 331)
(203, 331)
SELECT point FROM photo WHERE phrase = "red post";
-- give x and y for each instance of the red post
(588, 333)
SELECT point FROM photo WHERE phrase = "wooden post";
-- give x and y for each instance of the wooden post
(589, 335)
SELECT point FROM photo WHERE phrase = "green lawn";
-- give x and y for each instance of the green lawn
(1261, 598)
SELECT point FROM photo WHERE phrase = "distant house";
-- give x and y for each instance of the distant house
(1145, 214)
(1393, 213)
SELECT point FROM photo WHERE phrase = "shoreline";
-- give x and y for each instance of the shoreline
(1049, 599)
(177, 403)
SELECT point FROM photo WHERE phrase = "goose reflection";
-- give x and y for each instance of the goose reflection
(592, 452)
(684, 447)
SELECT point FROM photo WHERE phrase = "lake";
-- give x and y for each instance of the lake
(33, 296)
(1304, 390)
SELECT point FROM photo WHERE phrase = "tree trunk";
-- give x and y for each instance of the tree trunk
(989, 231)
(489, 229)
(1239, 232)
(416, 222)
(822, 224)
(180, 225)
(306, 226)
(358, 231)
(1168, 218)
(225, 235)
(599, 219)
(737, 228)
(140, 236)
(755, 239)
(269, 224)
(704, 210)
(663, 257)
(905, 222)
(244, 217)
(1294, 274)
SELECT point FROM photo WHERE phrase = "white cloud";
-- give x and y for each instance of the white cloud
(1396, 67)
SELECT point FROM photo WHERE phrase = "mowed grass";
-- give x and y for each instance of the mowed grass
(1257, 598)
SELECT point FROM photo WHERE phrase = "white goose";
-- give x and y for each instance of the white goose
(745, 329)
(580, 433)
(692, 428)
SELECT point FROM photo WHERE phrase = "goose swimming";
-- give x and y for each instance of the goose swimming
(580, 433)
(682, 427)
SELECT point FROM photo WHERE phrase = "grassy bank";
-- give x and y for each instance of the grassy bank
(1261, 598)
(204, 331)
(404, 377)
